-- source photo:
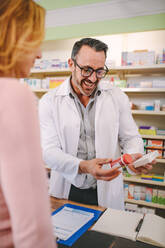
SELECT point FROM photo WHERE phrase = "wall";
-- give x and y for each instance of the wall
(151, 40)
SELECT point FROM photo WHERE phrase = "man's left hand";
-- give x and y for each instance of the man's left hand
(142, 169)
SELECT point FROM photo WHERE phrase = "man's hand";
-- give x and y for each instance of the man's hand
(94, 167)
(142, 169)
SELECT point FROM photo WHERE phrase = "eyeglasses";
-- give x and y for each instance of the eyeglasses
(87, 71)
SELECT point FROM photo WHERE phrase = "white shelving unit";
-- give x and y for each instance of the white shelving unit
(49, 73)
(145, 203)
(147, 112)
(41, 90)
(153, 136)
(160, 160)
(137, 179)
(144, 90)
(114, 70)
(147, 118)
(156, 68)
(142, 117)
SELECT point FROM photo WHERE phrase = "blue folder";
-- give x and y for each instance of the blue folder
(70, 241)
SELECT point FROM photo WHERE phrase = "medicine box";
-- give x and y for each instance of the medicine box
(155, 143)
(148, 194)
(163, 155)
(131, 191)
(125, 190)
(147, 131)
(145, 159)
(151, 210)
(138, 57)
(120, 83)
(152, 150)
(54, 82)
(154, 195)
(131, 207)
(137, 192)
(161, 197)
(159, 178)
(146, 176)
(145, 142)
(160, 131)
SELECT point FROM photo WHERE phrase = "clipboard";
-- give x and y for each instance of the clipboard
(96, 214)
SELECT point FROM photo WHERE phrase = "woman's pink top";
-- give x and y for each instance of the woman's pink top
(25, 220)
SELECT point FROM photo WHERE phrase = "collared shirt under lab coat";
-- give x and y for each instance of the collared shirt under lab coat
(60, 128)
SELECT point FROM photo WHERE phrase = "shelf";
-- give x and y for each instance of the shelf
(48, 73)
(128, 90)
(153, 136)
(123, 89)
(125, 69)
(138, 69)
(145, 203)
(143, 90)
(40, 90)
(160, 160)
(137, 179)
(154, 147)
(147, 112)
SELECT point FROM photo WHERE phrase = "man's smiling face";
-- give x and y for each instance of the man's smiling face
(87, 58)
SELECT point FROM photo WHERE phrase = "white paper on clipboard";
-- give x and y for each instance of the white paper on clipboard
(68, 221)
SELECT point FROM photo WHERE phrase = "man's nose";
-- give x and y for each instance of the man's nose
(93, 77)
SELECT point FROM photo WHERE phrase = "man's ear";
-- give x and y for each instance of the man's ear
(71, 64)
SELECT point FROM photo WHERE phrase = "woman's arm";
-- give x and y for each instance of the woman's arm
(23, 176)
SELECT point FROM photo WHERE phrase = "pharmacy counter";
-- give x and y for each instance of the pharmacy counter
(92, 239)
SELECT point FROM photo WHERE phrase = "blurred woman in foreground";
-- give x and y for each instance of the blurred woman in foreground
(25, 220)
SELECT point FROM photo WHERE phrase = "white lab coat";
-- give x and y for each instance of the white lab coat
(60, 128)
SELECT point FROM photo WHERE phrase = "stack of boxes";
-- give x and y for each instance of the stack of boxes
(151, 145)
(160, 58)
(50, 64)
(139, 57)
(135, 208)
(142, 57)
(143, 193)
(151, 130)
(45, 84)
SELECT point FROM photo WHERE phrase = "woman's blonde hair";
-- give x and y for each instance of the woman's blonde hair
(21, 30)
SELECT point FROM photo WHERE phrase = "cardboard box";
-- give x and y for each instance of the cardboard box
(155, 143)
(152, 150)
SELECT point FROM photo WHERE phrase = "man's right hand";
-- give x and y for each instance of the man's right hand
(94, 167)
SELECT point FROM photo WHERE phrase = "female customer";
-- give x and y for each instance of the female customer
(25, 220)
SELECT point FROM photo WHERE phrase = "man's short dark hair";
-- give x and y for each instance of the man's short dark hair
(97, 45)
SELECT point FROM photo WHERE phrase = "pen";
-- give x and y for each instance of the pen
(139, 225)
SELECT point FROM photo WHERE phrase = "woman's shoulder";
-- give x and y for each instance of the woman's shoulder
(17, 104)
(12, 84)
(12, 90)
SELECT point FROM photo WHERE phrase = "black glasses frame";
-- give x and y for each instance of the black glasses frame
(92, 70)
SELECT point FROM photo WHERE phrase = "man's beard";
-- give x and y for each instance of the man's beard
(87, 82)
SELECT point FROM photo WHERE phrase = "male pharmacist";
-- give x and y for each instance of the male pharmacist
(84, 122)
